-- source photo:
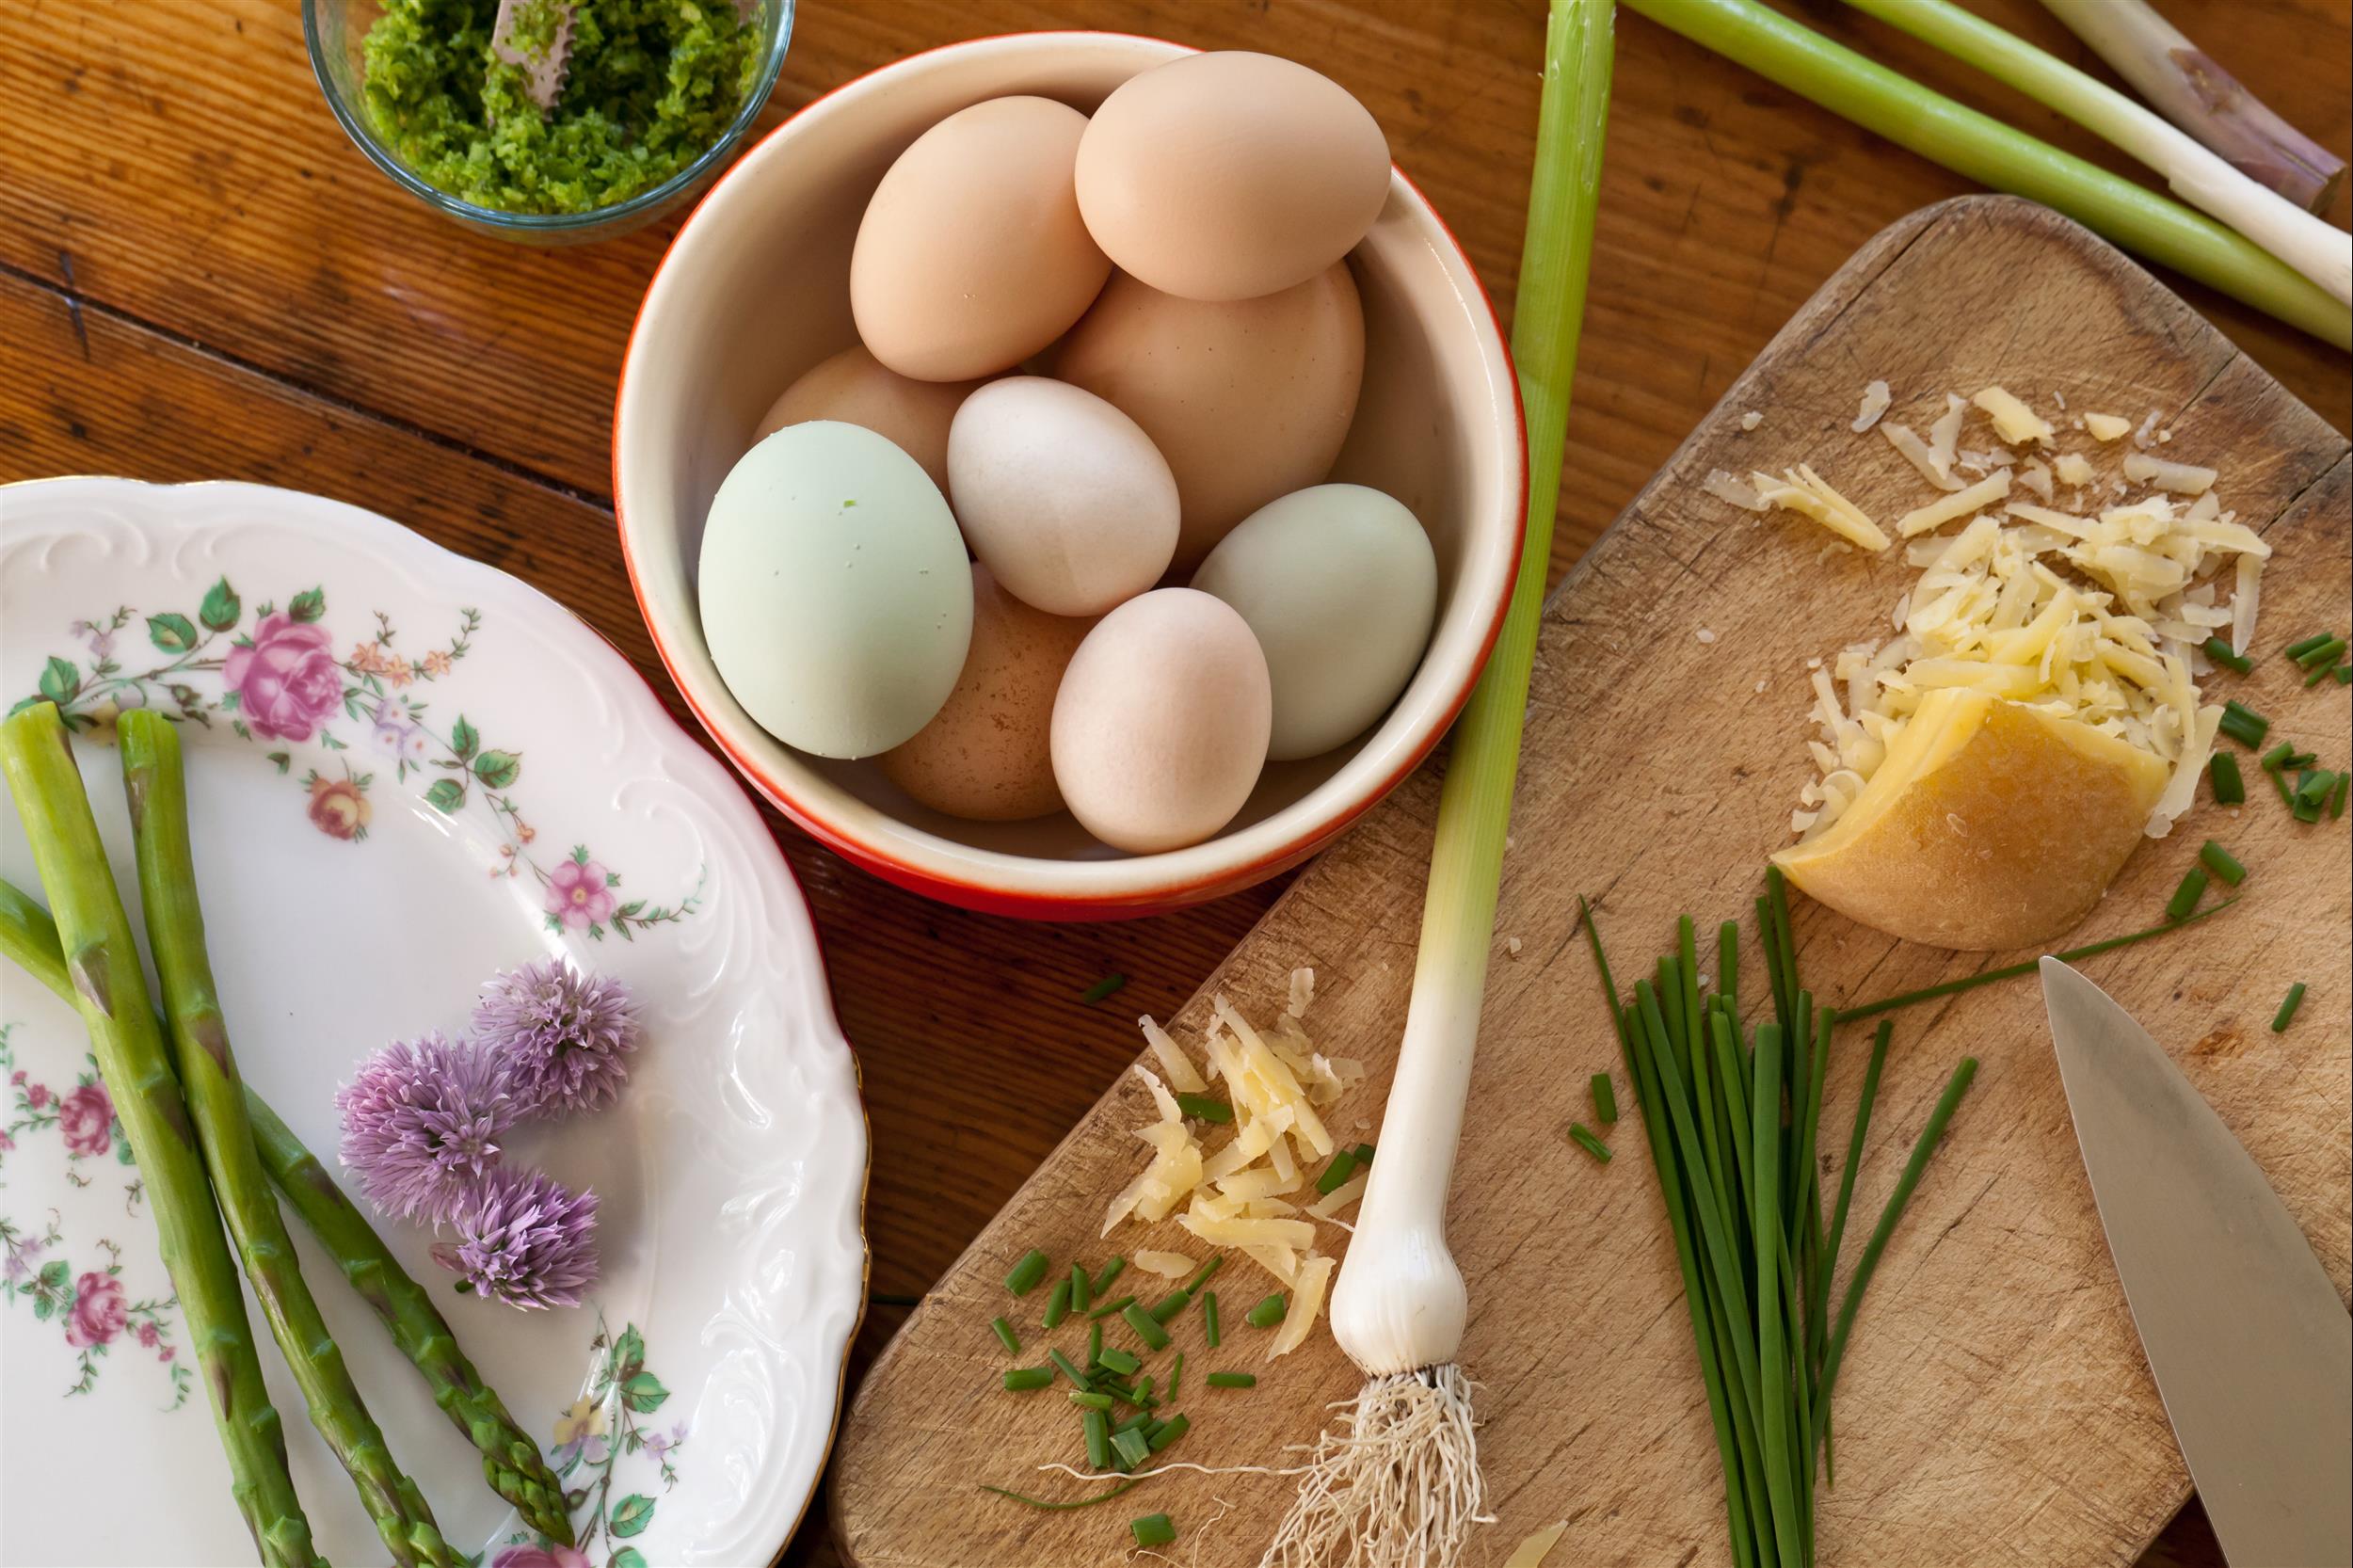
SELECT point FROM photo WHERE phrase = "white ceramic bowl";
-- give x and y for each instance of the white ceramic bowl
(755, 290)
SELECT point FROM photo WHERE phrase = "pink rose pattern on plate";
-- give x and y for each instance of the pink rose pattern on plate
(92, 1307)
(273, 676)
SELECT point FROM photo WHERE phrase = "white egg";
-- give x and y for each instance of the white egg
(1341, 586)
(836, 600)
(1061, 495)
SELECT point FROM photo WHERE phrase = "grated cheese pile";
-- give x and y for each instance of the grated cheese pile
(1242, 1194)
(2092, 615)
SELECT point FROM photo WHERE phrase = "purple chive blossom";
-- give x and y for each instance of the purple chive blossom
(523, 1238)
(565, 1036)
(422, 1120)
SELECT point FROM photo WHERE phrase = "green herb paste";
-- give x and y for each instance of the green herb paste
(651, 85)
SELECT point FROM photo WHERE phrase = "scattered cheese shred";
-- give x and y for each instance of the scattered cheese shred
(1876, 398)
(1340, 1197)
(2180, 478)
(1307, 1303)
(2107, 427)
(1724, 488)
(1961, 504)
(1532, 1552)
(2013, 420)
(1751, 420)
(1936, 472)
(2073, 468)
(1172, 1062)
(1168, 1265)
(1803, 491)
(1944, 434)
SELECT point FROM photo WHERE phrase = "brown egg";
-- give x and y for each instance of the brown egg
(971, 256)
(1230, 175)
(1161, 724)
(986, 755)
(858, 389)
(1247, 399)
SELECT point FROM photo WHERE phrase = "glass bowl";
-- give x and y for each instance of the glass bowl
(334, 29)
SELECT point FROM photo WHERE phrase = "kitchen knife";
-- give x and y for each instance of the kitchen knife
(2251, 1348)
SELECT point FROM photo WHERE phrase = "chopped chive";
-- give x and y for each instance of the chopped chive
(2012, 972)
(1206, 1108)
(1132, 1447)
(2325, 652)
(2314, 789)
(2297, 650)
(1068, 1369)
(2304, 810)
(1137, 1422)
(1095, 1345)
(1146, 1327)
(1343, 1165)
(2229, 786)
(1057, 1304)
(1170, 1304)
(1364, 1153)
(1153, 1530)
(1027, 1274)
(1082, 1287)
(2278, 757)
(2344, 674)
(2185, 896)
(1098, 1427)
(1269, 1312)
(1102, 1496)
(2336, 796)
(1102, 989)
(1125, 1362)
(2222, 862)
(1118, 1390)
(2320, 672)
(1111, 1271)
(1201, 1276)
(2220, 651)
(1175, 1373)
(2244, 725)
(1604, 1100)
(1105, 1309)
(1233, 1380)
(1208, 1316)
(1171, 1429)
(1005, 1336)
(1086, 1400)
(2280, 1020)
(1582, 1136)
(1026, 1380)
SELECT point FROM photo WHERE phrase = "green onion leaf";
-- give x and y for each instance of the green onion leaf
(1131, 1447)
(1098, 1436)
(1079, 1502)
(1111, 1271)
(1604, 1100)
(1583, 1137)
(2222, 862)
(1082, 1287)
(1343, 1165)
(1206, 1108)
(2185, 896)
(1124, 1363)
(1233, 1380)
(2220, 651)
(1086, 1399)
(1005, 1336)
(1027, 1274)
(1153, 1530)
(1106, 1310)
(1201, 1276)
(1027, 1379)
(1058, 1304)
(1170, 1430)
(2229, 787)
(2297, 650)
(2244, 725)
(1269, 1312)
(1063, 1365)
(1209, 1317)
(2288, 1004)
(1145, 1326)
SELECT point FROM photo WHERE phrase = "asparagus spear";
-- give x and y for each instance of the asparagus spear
(511, 1462)
(99, 959)
(157, 786)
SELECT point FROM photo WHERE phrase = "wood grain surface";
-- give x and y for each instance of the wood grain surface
(199, 279)
(1993, 1406)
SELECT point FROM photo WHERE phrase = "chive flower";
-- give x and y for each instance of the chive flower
(525, 1239)
(422, 1120)
(563, 1035)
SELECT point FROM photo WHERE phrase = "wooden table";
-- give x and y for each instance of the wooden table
(201, 279)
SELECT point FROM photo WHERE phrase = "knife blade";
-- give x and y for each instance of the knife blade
(2251, 1348)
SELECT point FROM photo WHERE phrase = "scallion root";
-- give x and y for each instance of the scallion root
(1394, 1484)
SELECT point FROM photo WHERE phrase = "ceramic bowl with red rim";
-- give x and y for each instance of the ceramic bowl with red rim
(755, 290)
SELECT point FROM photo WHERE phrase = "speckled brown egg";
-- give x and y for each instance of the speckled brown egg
(971, 255)
(987, 754)
(1247, 399)
(858, 389)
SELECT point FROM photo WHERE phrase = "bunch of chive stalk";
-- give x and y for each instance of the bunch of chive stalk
(1733, 1126)
(1119, 1403)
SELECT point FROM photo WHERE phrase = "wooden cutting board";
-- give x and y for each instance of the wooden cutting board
(1995, 1407)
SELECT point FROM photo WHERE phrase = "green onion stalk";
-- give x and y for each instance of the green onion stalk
(1401, 1484)
(99, 962)
(511, 1462)
(1983, 149)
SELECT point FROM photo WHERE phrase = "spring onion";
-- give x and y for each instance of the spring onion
(1233, 1380)
(2220, 651)
(2320, 672)
(1209, 1317)
(1170, 1304)
(1027, 1274)
(1202, 1275)
(1097, 1428)
(1582, 1136)
(1063, 1365)
(1088, 1399)
(1111, 1308)
(1131, 1447)
(1005, 1336)
(2222, 862)
(2011, 971)
(1082, 1287)
(1124, 1363)
(2185, 896)
(1147, 1328)
(2244, 725)
(1153, 1530)
(1604, 1100)
(2297, 650)
(2280, 1020)
(2230, 785)
(1175, 1374)
(1141, 1420)
(2327, 651)
(2295, 234)
(2184, 84)
(1993, 153)
(1026, 1380)
(1269, 1312)
(1206, 1108)
(1111, 1271)
(1094, 1346)
(1057, 1304)
(1171, 1429)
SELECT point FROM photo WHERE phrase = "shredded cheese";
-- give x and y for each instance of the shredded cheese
(2107, 427)
(2013, 420)
(2180, 478)
(2073, 469)
(1875, 398)
(1306, 1305)
(1961, 504)
(1916, 451)
(1168, 1265)
(1803, 491)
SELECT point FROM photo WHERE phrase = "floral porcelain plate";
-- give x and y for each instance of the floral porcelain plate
(407, 770)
